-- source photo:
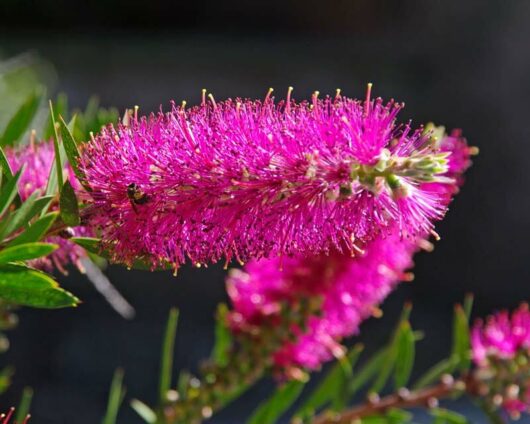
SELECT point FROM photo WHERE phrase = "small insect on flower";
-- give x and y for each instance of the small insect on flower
(136, 196)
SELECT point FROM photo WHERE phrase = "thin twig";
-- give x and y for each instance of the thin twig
(403, 399)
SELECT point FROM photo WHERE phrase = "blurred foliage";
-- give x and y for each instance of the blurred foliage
(25, 81)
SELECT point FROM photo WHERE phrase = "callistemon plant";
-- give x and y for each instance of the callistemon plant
(251, 179)
(320, 205)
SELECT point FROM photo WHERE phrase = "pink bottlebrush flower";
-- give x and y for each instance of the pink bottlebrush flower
(350, 289)
(501, 351)
(501, 336)
(250, 179)
(38, 160)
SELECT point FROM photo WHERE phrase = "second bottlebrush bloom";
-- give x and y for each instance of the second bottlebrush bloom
(250, 179)
(349, 289)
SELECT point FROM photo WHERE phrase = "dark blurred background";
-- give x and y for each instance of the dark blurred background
(465, 64)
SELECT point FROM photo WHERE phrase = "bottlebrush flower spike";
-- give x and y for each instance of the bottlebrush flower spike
(350, 290)
(501, 351)
(250, 179)
(38, 159)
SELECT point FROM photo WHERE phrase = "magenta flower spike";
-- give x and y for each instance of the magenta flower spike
(38, 160)
(256, 179)
(350, 290)
(501, 350)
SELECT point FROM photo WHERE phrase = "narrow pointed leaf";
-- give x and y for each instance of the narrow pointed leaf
(60, 108)
(68, 206)
(391, 353)
(406, 349)
(21, 121)
(367, 372)
(223, 337)
(4, 165)
(331, 387)
(116, 395)
(273, 408)
(468, 305)
(31, 207)
(27, 251)
(28, 287)
(434, 374)
(461, 342)
(24, 405)
(36, 230)
(398, 416)
(56, 146)
(168, 347)
(72, 152)
(12, 221)
(450, 417)
(9, 192)
(91, 244)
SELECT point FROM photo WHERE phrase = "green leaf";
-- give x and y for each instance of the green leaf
(9, 191)
(21, 121)
(4, 165)
(61, 108)
(406, 349)
(17, 218)
(468, 305)
(449, 417)
(223, 337)
(183, 382)
(391, 354)
(72, 153)
(52, 187)
(68, 206)
(93, 245)
(29, 287)
(166, 362)
(27, 251)
(31, 207)
(461, 343)
(116, 395)
(332, 385)
(273, 408)
(398, 416)
(367, 371)
(445, 366)
(24, 405)
(144, 411)
(36, 230)
(56, 146)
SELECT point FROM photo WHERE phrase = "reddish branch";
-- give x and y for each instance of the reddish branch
(403, 399)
